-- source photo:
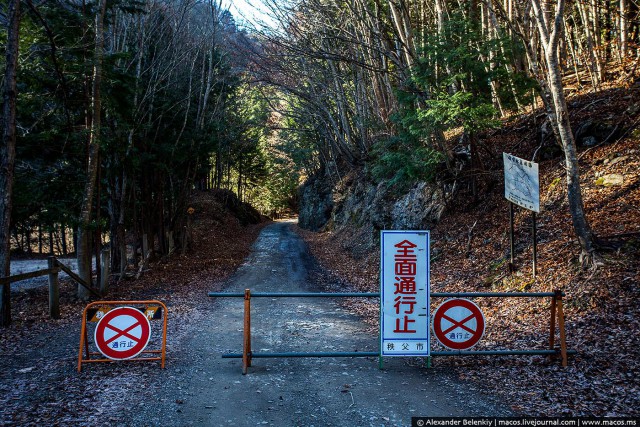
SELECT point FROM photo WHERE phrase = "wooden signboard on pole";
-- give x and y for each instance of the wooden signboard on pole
(522, 188)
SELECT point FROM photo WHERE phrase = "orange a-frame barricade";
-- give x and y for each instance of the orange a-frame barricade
(151, 307)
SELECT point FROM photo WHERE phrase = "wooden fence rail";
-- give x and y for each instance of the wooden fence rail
(23, 276)
(54, 268)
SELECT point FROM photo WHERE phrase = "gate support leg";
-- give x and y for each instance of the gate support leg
(552, 327)
(563, 337)
(556, 310)
(246, 344)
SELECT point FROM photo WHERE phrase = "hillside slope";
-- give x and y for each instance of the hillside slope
(470, 252)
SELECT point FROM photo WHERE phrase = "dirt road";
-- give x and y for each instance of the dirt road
(200, 388)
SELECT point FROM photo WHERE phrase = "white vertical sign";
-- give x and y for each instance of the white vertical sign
(404, 302)
(521, 182)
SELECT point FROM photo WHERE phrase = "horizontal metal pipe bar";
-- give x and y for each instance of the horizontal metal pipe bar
(297, 354)
(494, 294)
(375, 354)
(226, 294)
(499, 352)
(377, 294)
(300, 294)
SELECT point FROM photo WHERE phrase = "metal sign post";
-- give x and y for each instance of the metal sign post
(534, 232)
(522, 188)
(512, 249)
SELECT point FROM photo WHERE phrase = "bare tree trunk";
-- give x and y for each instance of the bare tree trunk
(550, 33)
(623, 30)
(27, 234)
(84, 234)
(63, 237)
(402, 26)
(8, 155)
(120, 185)
(40, 239)
(593, 57)
(574, 57)
(508, 66)
(597, 31)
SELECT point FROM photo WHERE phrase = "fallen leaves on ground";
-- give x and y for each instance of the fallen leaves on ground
(602, 308)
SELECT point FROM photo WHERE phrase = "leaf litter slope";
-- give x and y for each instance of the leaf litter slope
(601, 307)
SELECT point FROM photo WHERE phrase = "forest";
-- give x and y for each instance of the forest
(115, 111)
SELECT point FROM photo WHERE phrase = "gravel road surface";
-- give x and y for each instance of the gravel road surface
(200, 388)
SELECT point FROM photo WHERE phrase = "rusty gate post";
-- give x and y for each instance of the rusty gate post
(563, 337)
(552, 327)
(246, 345)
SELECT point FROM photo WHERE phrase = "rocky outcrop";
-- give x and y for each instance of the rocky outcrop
(591, 132)
(419, 209)
(316, 203)
(361, 204)
(357, 203)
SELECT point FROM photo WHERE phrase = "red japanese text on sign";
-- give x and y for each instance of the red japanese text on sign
(405, 268)
(405, 293)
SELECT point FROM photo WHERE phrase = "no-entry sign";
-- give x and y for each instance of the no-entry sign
(122, 333)
(458, 324)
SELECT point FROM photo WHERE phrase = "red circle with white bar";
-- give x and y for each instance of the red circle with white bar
(458, 324)
(122, 333)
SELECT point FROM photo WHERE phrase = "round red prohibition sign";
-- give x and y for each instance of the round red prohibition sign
(122, 333)
(458, 324)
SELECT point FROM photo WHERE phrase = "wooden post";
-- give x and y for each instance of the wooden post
(54, 290)
(105, 265)
(246, 345)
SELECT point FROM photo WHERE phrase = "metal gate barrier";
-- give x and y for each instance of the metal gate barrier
(557, 314)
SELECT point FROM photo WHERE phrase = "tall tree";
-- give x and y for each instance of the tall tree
(84, 232)
(623, 30)
(7, 154)
(550, 29)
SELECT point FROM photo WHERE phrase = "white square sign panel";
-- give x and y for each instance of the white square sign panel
(404, 305)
